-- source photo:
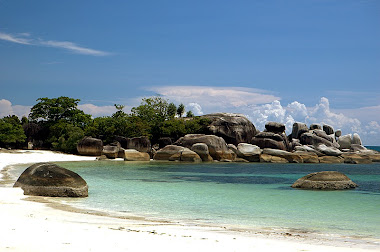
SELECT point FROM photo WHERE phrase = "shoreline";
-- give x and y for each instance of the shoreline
(76, 228)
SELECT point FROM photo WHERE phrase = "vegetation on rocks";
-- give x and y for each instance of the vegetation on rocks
(58, 124)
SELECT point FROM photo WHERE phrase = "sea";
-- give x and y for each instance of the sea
(249, 196)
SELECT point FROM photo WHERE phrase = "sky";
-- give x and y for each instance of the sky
(314, 61)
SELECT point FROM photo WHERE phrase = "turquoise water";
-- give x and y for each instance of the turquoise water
(245, 195)
(376, 148)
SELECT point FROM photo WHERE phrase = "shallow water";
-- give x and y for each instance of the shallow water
(244, 195)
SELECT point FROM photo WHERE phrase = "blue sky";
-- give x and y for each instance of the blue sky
(282, 60)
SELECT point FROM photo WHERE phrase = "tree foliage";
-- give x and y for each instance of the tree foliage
(11, 131)
(65, 136)
(181, 110)
(189, 114)
(52, 110)
(58, 124)
(172, 110)
(152, 110)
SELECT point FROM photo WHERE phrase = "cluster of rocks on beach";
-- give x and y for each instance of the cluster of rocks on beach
(233, 138)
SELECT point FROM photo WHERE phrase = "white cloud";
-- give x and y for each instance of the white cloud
(19, 39)
(25, 39)
(272, 112)
(6, 109)
(73, 48)
(97, 111)
(215, 99)
(195, 108)
(320, 113)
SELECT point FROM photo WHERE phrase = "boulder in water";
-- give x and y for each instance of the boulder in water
(249, 152)
(325, 180)
(48, 179)
(134, 155)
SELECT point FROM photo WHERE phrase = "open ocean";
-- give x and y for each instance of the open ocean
(242, 195)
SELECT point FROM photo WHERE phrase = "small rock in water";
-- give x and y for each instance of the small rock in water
(325, 180)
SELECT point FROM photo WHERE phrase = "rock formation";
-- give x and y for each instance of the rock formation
(90, 146)
(328, 129)
(202, 150)
(345, 141)
(289, 156)
(275, 127)
(48, 179)
(168, 151)
(325, 180)
(216, 145)
(111, 151)
(134, 155)
(270, 140)
(233, 128)
(248, 152)
(186, 155)
(298, 130)
(314, 126)
(266, 158)
(163, 141)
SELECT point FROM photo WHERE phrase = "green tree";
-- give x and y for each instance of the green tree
(11, 131)
(181, 110)
(189, 114)
(119, 113)
(56, 109)
(65, 136)
(152, 110)
(172, 110)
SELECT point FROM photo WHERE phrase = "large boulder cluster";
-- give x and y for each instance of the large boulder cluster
(130, 149)
(232, 137)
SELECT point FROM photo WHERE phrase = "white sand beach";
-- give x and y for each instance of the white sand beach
(37, 224)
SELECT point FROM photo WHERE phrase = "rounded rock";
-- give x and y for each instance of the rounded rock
(48, 179)
(325, 180)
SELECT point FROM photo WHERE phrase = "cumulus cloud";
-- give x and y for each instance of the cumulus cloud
(25, 39)
(195, 108)
(97, 111)
(295, 111)
(271, 112)
(6, 109)
(215, 99)
(320, 113)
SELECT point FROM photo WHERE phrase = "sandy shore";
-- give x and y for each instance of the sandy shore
(37, 224)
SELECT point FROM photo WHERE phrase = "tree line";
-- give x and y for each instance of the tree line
(58, 124)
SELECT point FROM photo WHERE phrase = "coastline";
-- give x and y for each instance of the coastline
(32, 226)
